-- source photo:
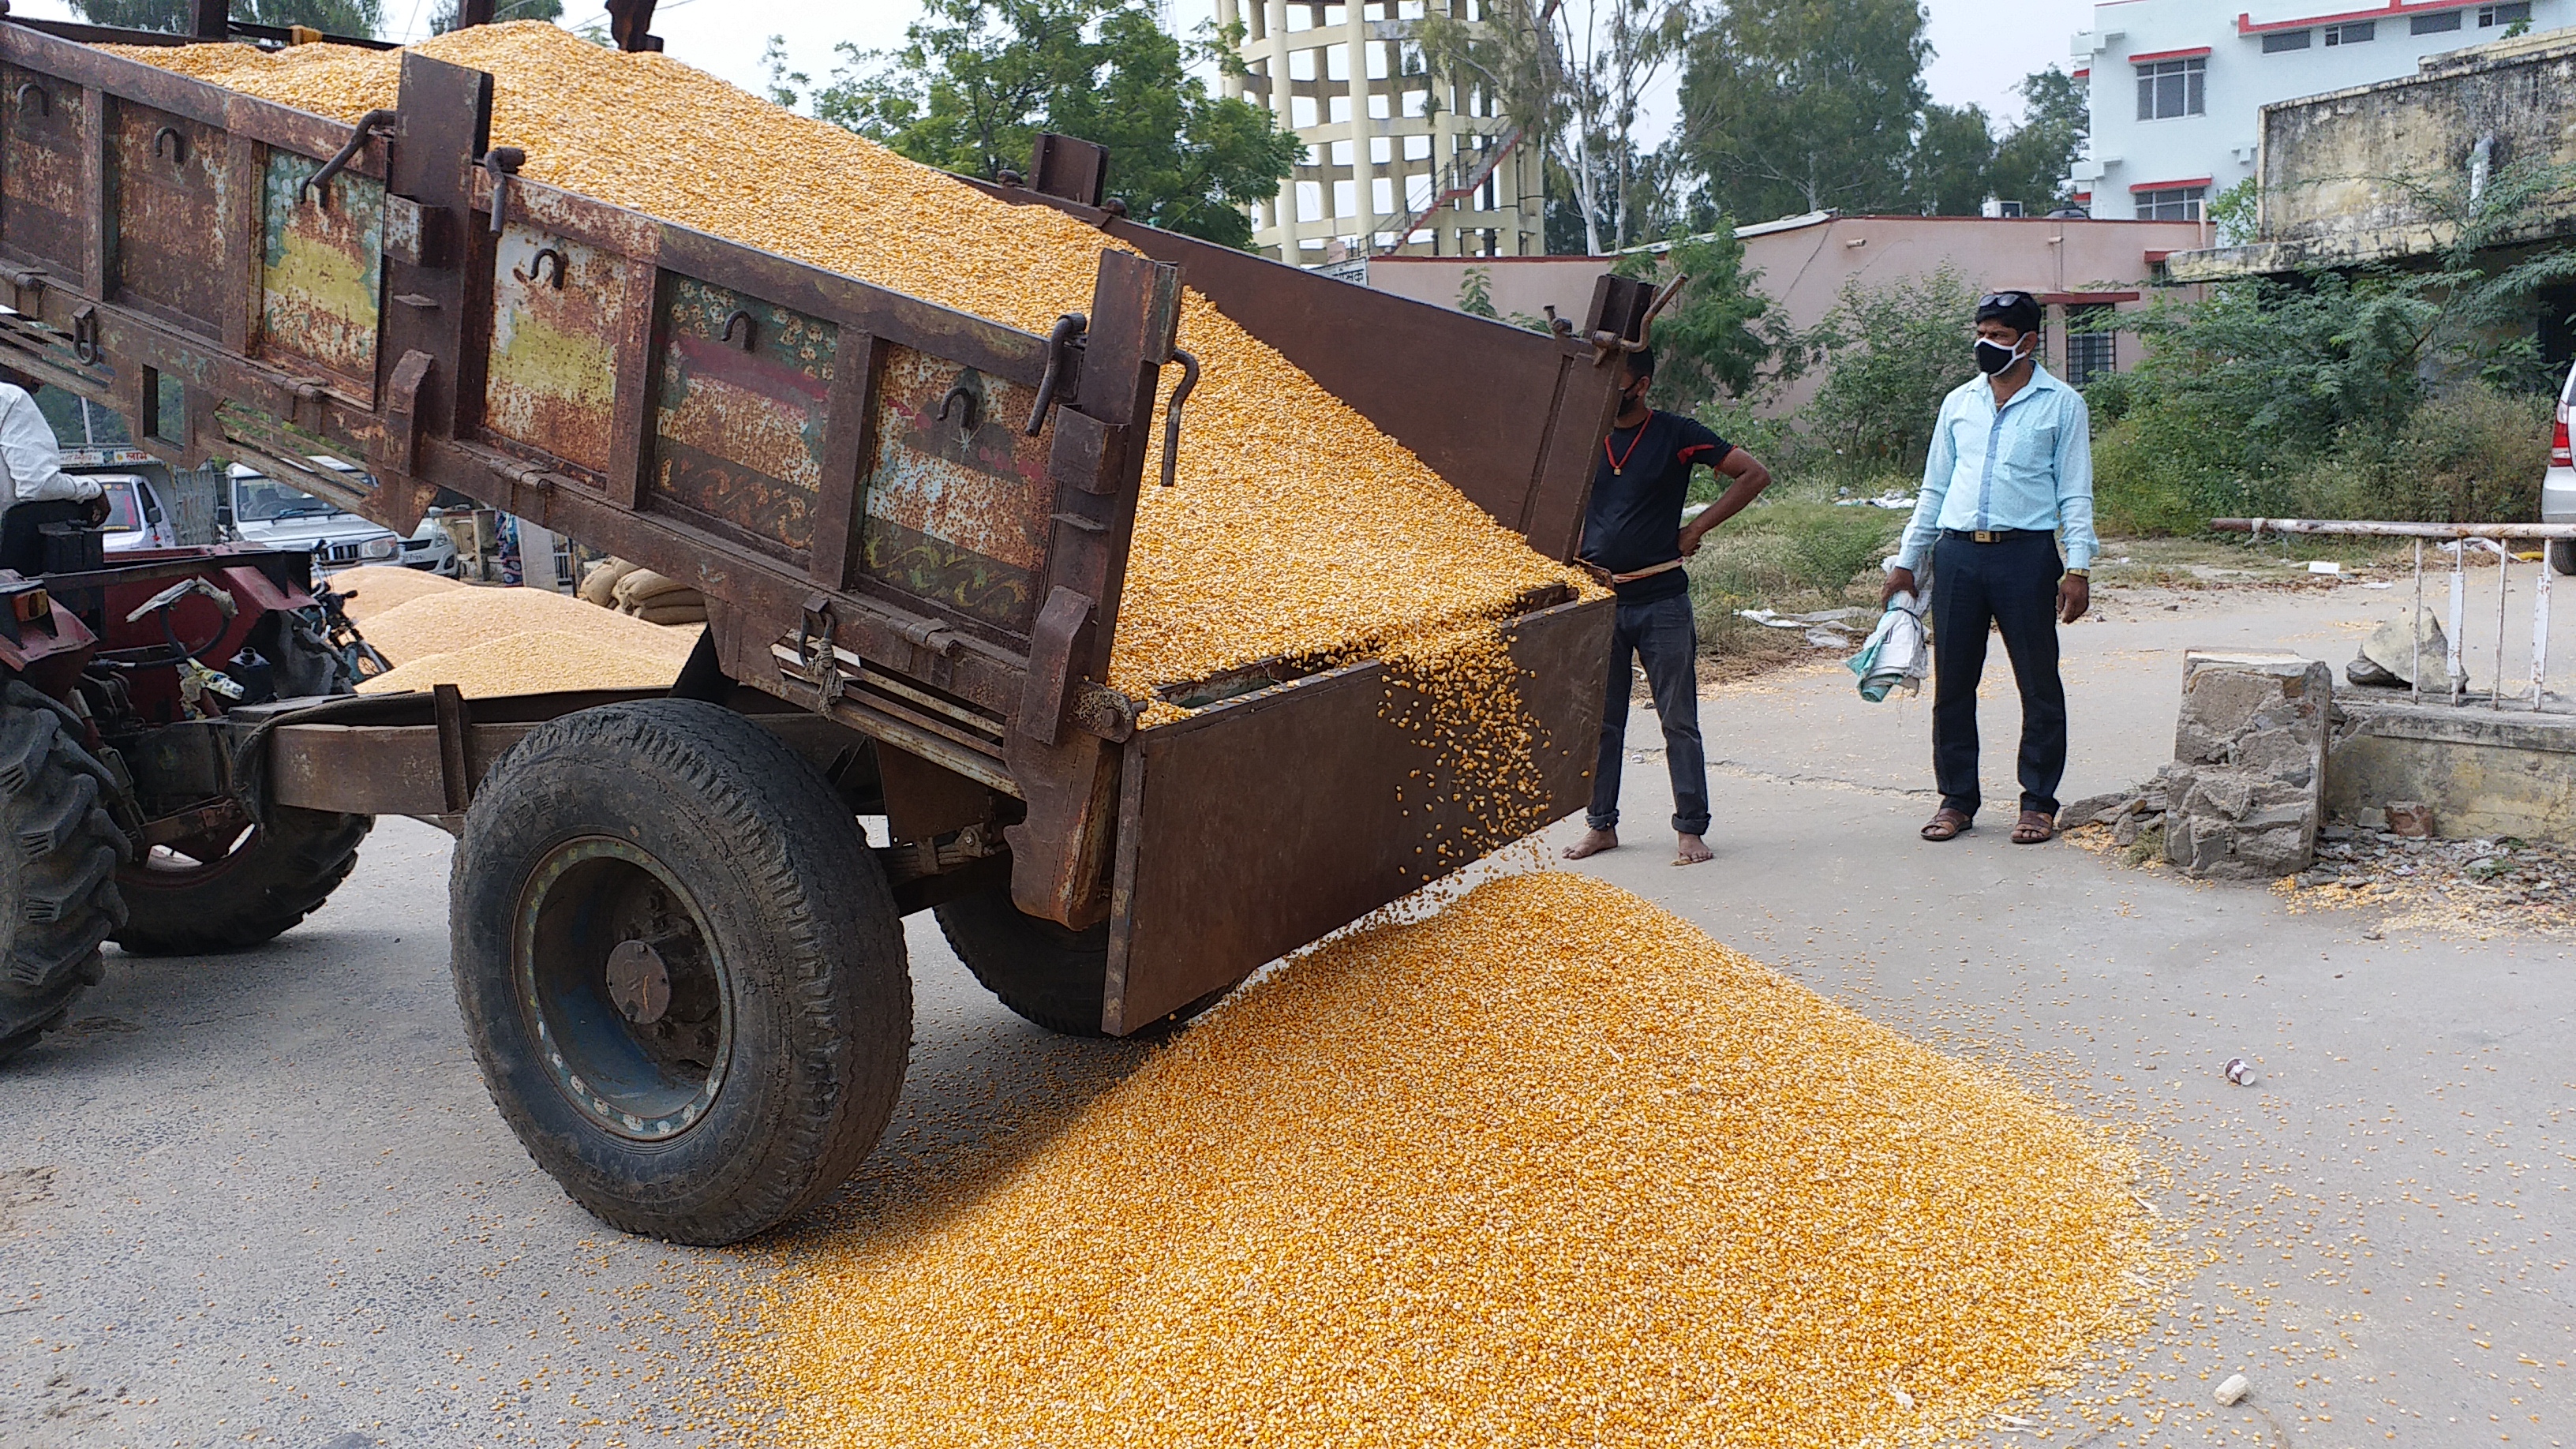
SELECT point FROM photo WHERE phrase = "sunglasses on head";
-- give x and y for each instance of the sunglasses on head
(2003, 299)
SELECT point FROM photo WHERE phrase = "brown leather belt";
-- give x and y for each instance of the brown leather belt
(1602, 575)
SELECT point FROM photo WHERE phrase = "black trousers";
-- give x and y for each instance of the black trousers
(2012, 585)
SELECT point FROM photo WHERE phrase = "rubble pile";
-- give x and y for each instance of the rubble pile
(2472, 885)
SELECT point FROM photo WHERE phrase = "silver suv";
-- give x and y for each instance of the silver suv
(265, 511)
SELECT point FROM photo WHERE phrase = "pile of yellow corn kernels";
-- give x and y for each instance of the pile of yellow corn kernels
(1548, 1168)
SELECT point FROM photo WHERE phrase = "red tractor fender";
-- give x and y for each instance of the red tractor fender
(43, 645)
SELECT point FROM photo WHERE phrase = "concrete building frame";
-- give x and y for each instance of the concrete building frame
(1396, 161)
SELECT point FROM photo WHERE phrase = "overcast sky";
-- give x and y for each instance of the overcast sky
(1984, 46)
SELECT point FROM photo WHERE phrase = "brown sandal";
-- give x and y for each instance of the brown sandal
(1946, 824)
(2034, 828)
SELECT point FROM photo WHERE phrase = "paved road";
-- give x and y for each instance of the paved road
(2391, 1209)
(263, 1199)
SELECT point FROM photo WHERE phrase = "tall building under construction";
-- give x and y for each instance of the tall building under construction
(1396, 161)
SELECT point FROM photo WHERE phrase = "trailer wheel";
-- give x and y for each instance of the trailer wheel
(680, 968)
(2562, 555)
(58, 860)
(237, 885)
(1054, 977)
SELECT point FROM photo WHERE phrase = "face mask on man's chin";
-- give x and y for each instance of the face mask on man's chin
(1994, 357)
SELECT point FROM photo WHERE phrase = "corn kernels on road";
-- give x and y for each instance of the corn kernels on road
(1298, 529)
(1548, 1168)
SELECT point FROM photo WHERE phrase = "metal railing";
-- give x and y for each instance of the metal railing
(2462, 537)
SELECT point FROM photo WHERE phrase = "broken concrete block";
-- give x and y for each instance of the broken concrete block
(2412, 819)
(2124, 831)
(2094, 809)
(2245, 789)
(2392, 651)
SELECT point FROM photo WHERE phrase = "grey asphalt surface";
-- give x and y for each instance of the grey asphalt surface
(263, 1199)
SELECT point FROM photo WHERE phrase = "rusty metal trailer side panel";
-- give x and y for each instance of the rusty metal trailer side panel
(1275, 819)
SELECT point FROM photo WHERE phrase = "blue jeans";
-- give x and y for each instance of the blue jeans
(1662, 636)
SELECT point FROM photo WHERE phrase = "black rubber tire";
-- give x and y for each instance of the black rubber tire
(2562, 555)
(59, 853)
(1051, 976)
(811, 981)
(282, 873)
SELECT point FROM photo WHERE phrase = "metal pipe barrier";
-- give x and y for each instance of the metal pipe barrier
(2461, 537)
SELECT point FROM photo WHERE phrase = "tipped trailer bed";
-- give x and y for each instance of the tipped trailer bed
(438, 323)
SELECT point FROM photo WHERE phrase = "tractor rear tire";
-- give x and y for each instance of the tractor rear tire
(59, 853)
(681, 970)
(281, 871)
(1053, 977)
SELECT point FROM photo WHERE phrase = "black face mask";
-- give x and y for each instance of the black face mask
(1994, 357)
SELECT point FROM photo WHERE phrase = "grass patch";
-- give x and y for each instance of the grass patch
(1794, 551)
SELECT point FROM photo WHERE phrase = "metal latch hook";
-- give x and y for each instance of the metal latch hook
(537, 271)
(374, 123)
(502, 162)
(1172, 416)
(1060, 343)
(962, 391)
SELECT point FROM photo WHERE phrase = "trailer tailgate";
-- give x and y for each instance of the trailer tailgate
(1260, 825)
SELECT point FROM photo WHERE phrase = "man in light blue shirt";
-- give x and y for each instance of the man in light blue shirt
(2011, 465)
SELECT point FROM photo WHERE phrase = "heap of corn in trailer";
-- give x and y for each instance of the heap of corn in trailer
(677, 955)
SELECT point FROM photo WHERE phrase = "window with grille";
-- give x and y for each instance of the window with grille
(2447, 21)
(2177, 203)
(2352, 32)
(2089, 354)
(2169, 88)
(2490, 15)
(2281, 40)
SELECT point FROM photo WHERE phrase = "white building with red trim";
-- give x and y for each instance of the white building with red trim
(2177, 86)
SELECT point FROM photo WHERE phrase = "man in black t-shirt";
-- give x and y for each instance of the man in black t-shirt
(1634, 540)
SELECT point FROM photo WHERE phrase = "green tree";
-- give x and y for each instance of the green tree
(976, 80)
(1952, 169)
(443, 19)
(1798, 105)
(2249, 397)
(1715, 335)
(335, 17)
(2031, 161)
(1889, 356)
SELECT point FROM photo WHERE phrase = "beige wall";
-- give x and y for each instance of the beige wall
(1803, 267)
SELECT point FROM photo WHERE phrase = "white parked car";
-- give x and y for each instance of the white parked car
(277, 515)
(2558, 485)
(137, 516)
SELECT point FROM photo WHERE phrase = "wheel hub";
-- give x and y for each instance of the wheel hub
(631, 1004)
(638, 982)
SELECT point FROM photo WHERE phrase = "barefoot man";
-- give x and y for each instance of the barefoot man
(1634, 540)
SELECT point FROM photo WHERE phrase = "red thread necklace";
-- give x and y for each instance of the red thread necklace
(1619, 461)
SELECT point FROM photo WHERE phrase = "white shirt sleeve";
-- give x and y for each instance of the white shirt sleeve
(34, 460)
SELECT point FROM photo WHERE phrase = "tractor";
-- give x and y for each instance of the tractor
(121, 807)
